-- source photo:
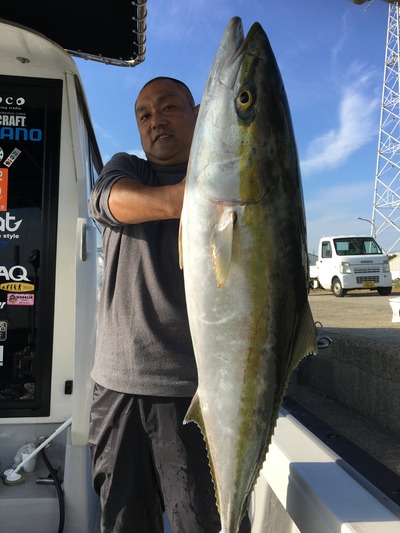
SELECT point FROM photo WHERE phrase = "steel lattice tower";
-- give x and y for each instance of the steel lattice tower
(386, 203)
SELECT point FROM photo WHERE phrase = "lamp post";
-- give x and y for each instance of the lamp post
(372, 224)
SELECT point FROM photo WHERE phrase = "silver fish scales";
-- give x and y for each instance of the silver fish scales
(244, 255)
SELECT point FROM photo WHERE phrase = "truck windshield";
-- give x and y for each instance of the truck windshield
(356, 246)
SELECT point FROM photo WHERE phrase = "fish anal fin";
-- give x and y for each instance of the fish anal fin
(194, 414)
(221, 246)
(307, 339)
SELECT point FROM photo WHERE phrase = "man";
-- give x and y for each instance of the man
(144, 459)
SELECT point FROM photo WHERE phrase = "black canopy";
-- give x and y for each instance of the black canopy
(112, 31)
(359, 2)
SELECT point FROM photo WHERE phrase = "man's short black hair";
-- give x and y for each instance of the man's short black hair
(178, 82)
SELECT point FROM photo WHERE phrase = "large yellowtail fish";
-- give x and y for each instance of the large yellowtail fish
(243, 244)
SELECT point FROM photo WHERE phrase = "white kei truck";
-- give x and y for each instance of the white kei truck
(349, 263)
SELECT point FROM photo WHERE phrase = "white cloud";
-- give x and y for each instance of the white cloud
(106, 156)
(178, 22)
(103, 132)
(138, 152)
(340, 43)
(357, 124)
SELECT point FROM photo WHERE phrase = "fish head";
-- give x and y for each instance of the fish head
(233, 143)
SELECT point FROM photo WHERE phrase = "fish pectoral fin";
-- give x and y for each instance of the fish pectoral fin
(221, 246)
(307, 340)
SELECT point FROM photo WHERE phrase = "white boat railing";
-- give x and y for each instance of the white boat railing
(319, 491)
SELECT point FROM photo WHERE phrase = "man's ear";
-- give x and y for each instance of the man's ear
(196, 110)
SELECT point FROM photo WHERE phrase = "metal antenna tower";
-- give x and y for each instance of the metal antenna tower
(386, 203)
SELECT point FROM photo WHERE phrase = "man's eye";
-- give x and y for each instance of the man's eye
(169, 107)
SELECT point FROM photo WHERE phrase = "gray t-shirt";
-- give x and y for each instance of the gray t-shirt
(143, 339)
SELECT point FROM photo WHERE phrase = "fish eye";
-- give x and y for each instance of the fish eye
(244, 99)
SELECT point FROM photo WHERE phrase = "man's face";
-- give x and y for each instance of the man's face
(166, 121)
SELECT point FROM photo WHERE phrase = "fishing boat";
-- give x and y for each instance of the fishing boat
(50, 258)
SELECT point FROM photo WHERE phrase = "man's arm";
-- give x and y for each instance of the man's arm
(131, 202)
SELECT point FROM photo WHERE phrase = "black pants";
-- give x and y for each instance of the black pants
(145, 460)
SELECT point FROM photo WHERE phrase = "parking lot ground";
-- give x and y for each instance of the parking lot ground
(357, 310)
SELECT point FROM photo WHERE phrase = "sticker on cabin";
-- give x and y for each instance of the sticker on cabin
(9, 225)
(17, 287)
(12, 157)
(1, 154)
(15, 273)
(3, 188)
(3, 330)
(20, 299)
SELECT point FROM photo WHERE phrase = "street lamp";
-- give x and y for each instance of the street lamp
(372, 224)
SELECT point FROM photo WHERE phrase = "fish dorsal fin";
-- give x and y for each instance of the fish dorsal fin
(221, 246)
(307, 340)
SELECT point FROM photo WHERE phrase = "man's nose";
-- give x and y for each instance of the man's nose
(158, 119)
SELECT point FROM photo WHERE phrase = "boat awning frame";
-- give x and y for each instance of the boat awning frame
(99, 30)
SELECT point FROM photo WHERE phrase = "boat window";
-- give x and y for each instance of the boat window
(30, 119)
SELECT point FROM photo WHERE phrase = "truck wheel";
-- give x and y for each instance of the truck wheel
(337, 288)
(384, 291)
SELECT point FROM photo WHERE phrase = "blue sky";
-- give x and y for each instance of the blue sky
(331, 56)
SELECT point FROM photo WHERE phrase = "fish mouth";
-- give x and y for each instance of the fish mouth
(236, 40)
(234, 36)
(234, 44)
